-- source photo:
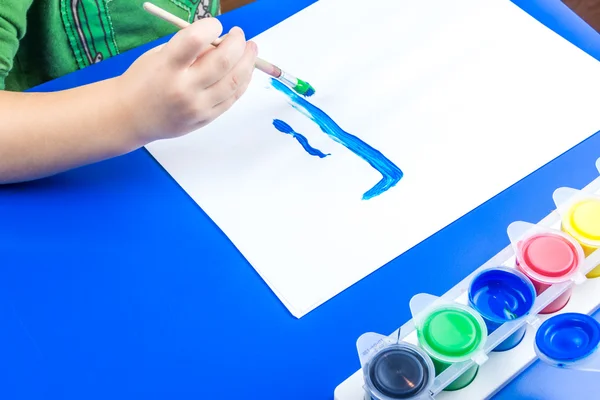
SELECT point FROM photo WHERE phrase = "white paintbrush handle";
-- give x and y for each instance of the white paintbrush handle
(260, 64)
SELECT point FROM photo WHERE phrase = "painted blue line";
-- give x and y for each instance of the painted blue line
(390, 173)
(285, 128)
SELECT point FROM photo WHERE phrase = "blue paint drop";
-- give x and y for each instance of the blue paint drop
(391, 174)
(285, 128)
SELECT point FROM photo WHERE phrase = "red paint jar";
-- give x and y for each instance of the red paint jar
(547, 259)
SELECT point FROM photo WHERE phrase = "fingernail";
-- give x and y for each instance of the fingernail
(254, 47)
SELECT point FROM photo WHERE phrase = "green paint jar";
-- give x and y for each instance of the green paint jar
(452, 333)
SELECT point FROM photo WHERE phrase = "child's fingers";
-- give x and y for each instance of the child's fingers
(222, 107)
(228, 103)
(239, 76)
(189, 43)
(217, 63)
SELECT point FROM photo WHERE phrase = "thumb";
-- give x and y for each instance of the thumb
(188, 44)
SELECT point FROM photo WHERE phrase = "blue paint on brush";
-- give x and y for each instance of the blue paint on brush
(390, 173)
(309, 92)
(285, 128)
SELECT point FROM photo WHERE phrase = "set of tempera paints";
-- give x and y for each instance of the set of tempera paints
(519, 306)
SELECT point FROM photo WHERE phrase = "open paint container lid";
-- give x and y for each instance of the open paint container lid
(394, 370)
(580, 214)
(546, 255)
(448, 331)
(501, 294)
(569, 341)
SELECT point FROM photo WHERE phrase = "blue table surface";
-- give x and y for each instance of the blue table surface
(115, 285)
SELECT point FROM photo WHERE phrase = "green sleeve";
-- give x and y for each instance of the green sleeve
(13, 24)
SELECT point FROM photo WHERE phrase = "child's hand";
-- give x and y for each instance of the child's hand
(167, 92)
(187, 83)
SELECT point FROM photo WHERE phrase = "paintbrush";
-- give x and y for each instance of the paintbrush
(298, 85)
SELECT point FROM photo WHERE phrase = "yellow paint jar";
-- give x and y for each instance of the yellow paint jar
(580, 219)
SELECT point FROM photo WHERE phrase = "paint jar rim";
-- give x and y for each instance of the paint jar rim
(510, 271)
(376, 391)
(572, 223)
(581, 326)
(467, 349)
(525, 257)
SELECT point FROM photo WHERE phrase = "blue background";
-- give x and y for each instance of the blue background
(115, 285)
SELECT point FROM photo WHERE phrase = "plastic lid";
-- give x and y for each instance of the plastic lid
(568, 337)
(584, 219)
(501, 294)
(452, 332)
(549, 255)
(399, 372)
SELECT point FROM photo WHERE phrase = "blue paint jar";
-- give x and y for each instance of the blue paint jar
(569, 340)
(501, 295)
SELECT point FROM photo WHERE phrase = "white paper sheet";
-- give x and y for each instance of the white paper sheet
(466, 97)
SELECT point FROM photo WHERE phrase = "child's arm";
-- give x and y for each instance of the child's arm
(169, 91)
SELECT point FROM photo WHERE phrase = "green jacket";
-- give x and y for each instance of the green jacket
(42, 40)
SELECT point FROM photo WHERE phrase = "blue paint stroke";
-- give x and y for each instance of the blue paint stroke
(391, 174)
(285, 128)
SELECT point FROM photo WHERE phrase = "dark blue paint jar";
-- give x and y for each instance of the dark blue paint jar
(501, 295)
(399, 371)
